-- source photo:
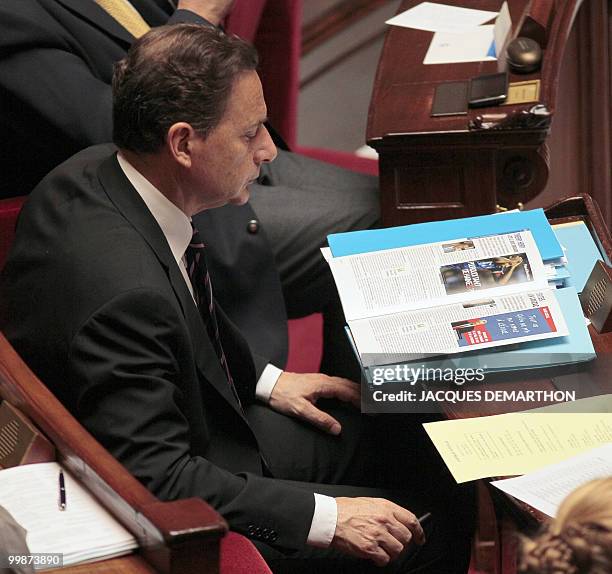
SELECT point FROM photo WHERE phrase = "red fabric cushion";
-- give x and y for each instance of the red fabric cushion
(239, 556)
(9, 210)
(244, 18)
(278, 41)
(305, 344)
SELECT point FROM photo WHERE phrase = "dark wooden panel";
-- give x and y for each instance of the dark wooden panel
(528, 155)
(581, 156)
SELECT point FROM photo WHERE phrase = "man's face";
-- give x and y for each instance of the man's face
(229, 158)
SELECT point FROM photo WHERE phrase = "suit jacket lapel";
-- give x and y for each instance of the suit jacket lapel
(130, 205)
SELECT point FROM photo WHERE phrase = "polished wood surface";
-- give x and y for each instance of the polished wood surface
(501, 516)
(125, 565)
(178, 537)
(447, 167)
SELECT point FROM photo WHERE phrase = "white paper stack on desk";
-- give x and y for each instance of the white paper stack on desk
(83, 532)
(545, 489)
(461, 289)
(459, 35)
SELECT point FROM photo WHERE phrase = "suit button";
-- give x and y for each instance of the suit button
(253, 226)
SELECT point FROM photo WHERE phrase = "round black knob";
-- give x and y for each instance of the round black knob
(524, 55)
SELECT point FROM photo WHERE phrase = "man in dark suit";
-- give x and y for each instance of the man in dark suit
(105, 295)
(56, 59)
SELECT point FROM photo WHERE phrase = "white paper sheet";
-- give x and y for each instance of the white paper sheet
(516, 443)
(452, 48)
(502, 29)
(424, 276)
(545, 489)
(414, 334)
(83, 531)
(441, 18)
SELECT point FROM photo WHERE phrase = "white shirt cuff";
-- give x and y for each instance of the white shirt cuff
(324, 521)
(267, 381)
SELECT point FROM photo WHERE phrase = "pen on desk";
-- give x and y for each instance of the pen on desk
(62, 492)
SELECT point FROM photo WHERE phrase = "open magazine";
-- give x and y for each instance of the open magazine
(447, 297)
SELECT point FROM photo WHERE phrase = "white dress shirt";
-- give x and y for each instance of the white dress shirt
(176, 227)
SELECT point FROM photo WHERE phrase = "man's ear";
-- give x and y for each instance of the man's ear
(179, 141)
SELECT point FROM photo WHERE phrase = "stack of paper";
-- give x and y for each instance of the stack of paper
(459, 35)
(580, 251)
(546, 488)
(438, 288)
(516, 443)
(83, 532)
(441, 18)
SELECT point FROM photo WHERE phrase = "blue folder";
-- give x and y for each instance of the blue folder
(580, 250)
(354, 242)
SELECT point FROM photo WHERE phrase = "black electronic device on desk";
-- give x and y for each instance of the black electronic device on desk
(488, 90)
(453, 98)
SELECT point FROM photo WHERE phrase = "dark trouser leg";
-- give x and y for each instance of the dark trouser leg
(379, 457)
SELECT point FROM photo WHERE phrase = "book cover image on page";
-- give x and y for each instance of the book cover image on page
(470, 276)
(504, 326)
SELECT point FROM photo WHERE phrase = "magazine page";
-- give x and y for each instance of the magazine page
(479, 324)
(420, 276)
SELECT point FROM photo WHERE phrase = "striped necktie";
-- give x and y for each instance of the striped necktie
(195, 259)
(126, 15)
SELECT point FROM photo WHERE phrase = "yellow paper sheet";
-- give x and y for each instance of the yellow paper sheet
(516, 443)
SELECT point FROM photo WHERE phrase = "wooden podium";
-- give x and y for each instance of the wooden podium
(462, 165)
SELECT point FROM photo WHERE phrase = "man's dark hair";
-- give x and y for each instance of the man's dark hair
(179, 73)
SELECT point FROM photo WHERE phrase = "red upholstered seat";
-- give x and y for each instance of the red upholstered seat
(239, 556)
(9, 210)
(274, 27)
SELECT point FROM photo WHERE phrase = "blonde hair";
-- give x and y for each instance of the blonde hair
(579, 539)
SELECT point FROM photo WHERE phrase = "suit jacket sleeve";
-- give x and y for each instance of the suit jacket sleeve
(53, 80)
(128, 367)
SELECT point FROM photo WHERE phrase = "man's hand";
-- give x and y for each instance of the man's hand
(375, 529)
(296, 395)
(213, 10)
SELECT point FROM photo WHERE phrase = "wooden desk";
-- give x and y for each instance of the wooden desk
(440, 168)
(500, 516)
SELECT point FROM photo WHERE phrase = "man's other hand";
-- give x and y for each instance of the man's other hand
(375, 529)
(296, 394)
(213, 10)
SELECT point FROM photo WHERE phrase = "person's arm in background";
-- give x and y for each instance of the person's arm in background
(55, 84)
(214, 11)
